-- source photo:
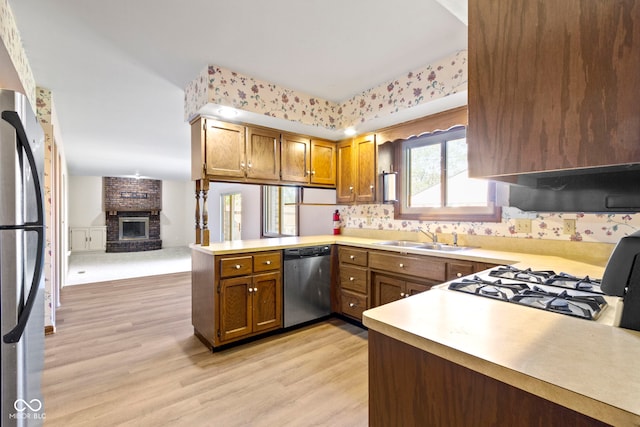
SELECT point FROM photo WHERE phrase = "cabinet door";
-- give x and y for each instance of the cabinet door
(263, 154)
(323, 162)
(97, 238)
(539, 97)
(267, 301)
(345, 188)
(388, 289)
(365, 168)
(412, 288)
(295, 158)
(79, 239)
(224, 149)
(235, 307)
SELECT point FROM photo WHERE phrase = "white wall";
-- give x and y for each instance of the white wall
(85, 201)
(177, 218)
(317, 219)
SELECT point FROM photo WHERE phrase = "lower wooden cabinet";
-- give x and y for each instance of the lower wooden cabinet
(250, 304)
(388, 288)
(235, 296)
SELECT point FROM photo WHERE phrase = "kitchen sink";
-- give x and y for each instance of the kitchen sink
(422, 245)
(402, 243)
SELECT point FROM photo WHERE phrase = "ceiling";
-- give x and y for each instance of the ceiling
(117, 68)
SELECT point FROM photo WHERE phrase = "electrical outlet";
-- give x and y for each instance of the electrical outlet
(523, 226)
(569, 226)
(369, 220)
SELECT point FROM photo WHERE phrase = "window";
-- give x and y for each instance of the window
(279, 211)
(231, 216)
(435, 181)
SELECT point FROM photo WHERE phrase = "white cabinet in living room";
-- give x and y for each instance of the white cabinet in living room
(88, 239)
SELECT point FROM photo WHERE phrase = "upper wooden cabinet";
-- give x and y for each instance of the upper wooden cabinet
(232, 152)
(308, 161)
(262, 154)
(552, 85)
(357, 171)
(217, 149)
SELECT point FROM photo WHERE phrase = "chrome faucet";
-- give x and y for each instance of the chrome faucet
(432, 236)
(455, 238)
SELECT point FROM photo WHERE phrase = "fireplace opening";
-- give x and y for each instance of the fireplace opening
(133, 228)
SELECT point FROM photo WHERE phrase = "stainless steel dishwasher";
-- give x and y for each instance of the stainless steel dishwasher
(307, 283)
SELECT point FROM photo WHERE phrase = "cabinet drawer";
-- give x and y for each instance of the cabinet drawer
(424, 267)
(236, 266)
(457, 269)
(353, 278)
(267, 261)
(353, 304)
(353, 256)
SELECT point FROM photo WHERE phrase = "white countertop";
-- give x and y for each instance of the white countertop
(586, 366)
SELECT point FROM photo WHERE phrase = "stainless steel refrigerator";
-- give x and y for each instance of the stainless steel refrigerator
(21, 261)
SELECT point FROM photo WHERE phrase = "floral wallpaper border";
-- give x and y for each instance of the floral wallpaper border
(13, 43)
(44, 104)
(218, 85)
(602, 228)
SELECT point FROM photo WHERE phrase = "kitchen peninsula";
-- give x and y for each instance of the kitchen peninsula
(447, 358)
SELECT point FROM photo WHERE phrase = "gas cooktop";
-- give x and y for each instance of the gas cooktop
(546, 290)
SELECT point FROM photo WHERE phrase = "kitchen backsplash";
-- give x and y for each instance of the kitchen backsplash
(602, 228)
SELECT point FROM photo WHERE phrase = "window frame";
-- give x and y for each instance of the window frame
(263, 217)
(490, 213)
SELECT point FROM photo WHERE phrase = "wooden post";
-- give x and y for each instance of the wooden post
(205, 213)
(198, 229)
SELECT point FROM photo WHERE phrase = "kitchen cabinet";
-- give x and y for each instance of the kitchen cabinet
(217, 149)
(262, 154)
(356, 164)
(552, 85)
(354, 281)
(389, 288)
(235, 296)
(88, 239)
(308, 161)
(231, 151)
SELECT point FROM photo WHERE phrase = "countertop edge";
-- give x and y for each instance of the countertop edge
(571, 399)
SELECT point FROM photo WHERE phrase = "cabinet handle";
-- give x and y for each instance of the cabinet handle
(371, 186)
(458, 274)
(267, 262)
(242, 165)
(353, 304)
(352, 257)
(238, 267)
(402, 294)
(351, 279)
(313, 172)
(255, 289)
(249, 165)
(401, 265)
(351, 188)
(250, 290)
(308, 172)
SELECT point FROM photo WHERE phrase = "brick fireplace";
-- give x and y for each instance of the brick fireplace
(132, 211)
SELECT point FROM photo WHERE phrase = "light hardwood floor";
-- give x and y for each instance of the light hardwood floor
(124, 354)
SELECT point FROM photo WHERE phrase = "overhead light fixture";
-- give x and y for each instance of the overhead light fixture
(227, 112)
(350, 131)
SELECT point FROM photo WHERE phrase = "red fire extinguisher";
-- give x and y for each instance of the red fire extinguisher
(336, 222)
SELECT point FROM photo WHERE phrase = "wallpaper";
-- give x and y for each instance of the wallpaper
(603, 228)
(218, 85)
(13, 43)
(43, 111)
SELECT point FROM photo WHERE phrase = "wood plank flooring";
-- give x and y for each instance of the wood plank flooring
(124, 354)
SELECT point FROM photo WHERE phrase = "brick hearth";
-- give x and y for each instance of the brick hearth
(129, 197)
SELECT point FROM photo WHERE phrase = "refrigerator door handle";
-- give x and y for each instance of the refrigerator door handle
(14, 335)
